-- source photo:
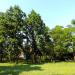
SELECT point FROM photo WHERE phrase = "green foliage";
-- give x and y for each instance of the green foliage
(29, 34)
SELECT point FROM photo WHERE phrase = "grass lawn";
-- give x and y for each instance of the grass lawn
(61, 68)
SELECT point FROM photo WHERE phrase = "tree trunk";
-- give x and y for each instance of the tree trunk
(1, 58)
(34, 48)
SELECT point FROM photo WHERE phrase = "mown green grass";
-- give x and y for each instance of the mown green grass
(61, 68)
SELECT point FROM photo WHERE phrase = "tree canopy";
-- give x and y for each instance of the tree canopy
(29, 35)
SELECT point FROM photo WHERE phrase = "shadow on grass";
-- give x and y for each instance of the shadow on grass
(17, 69)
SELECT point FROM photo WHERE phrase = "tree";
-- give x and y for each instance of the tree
(58, 37)
(35, 27)
(13, 22)
(2, 37)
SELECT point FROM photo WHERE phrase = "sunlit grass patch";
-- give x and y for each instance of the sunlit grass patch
(61, 68)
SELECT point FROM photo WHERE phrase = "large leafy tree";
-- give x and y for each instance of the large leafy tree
(12, 22)
(2, 37)
(35, 28)
(56, 34)
(63, 42)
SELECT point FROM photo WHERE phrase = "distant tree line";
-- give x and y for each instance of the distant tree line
(29, 34)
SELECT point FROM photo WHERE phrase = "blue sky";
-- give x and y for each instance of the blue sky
(53, 12)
